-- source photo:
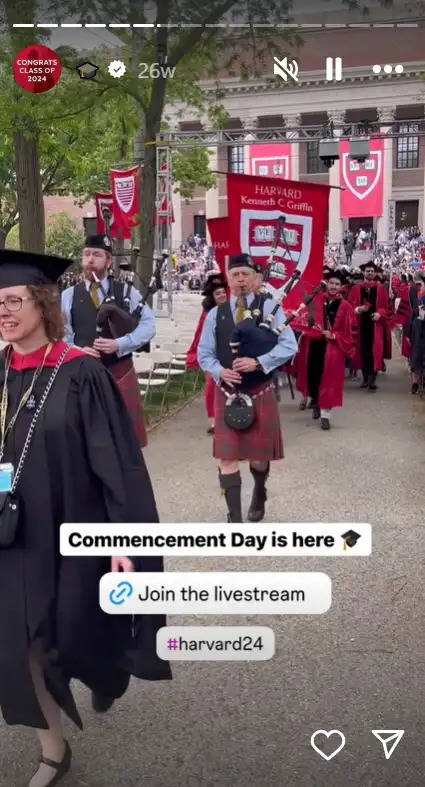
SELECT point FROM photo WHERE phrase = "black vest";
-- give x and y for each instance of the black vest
(83, 317)
(224, 327)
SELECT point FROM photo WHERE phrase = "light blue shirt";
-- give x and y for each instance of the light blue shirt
(285, 349)
(143, 334)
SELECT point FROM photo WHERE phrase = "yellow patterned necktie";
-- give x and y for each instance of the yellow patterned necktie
(93, 294)
(240, 310)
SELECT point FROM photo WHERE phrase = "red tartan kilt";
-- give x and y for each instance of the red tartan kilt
(262, 442)
(125, 376)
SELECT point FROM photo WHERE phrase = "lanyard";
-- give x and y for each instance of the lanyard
(5, 431)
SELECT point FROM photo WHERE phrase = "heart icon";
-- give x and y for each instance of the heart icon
(328, 735)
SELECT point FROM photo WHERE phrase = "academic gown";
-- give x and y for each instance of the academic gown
(380, 331)
(83, 465)
(192, 363)
(336, 351)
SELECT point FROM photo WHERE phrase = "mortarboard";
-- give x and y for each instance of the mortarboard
(350, 538)
(335, 275)
(214, 282)
(20, 268)
(98, 242)
(370, 264)
(241, 261)
(87, 70)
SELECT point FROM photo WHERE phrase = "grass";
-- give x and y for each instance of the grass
(180, 390)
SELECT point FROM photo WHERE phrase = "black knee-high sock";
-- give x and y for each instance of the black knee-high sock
(231, 483)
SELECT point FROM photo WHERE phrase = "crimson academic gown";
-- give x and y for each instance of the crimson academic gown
(192, 363)
(381, 326)
(340, 348)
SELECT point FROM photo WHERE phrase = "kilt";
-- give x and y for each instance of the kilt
(262, 442)
(125, 376)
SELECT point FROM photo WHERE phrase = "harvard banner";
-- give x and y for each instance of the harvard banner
(125, 193)
(362, 195)
(220, 239)
(255, 204)
(270, 160)
(104, 201)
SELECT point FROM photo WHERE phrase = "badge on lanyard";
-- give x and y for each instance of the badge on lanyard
(6, 476)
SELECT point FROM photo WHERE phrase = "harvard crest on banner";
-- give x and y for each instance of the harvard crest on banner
(362, 183)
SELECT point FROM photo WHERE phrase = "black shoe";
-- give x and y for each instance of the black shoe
(316, 413)
(302, 405)
(372, 383)
(231, 484)
(61, 767)
(364, 384)
(257, 508)
(415, 388)
(101, 703)
(210, 430)
(325, 424)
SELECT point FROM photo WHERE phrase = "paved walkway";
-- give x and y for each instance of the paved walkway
(358, 668)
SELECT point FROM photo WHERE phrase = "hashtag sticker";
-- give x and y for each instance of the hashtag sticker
(215, 643)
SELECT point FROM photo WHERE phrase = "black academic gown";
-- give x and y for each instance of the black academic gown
(83, 465)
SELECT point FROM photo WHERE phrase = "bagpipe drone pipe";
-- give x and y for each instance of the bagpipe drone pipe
(112, 322)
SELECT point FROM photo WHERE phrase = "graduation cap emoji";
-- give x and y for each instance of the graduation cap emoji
(87, 70)
(350, 538)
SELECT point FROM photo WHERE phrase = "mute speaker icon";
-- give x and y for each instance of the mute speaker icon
(284, 69)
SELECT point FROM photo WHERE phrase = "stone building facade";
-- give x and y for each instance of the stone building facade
(382, 99)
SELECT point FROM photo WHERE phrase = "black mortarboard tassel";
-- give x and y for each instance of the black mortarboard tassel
(350, 538)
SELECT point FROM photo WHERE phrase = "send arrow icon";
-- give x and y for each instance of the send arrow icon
(387, 737)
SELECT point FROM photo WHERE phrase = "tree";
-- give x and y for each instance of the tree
(63, 237)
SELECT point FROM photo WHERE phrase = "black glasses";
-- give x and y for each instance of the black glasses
(13, 303)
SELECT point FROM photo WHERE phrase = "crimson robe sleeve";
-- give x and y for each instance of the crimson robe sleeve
(344, 334)
(192, 353)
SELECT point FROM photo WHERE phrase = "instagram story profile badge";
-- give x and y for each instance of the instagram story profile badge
(37, 69)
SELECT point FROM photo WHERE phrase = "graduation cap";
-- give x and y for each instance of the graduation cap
(19, 268)
(350, 538)
(340, 275)
(217, 281)
(98, 242)
(241, 261)
(370, 264)
(87, 70)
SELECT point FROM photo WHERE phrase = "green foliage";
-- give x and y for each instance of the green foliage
(191, 169)
(63, 236)
(12, 240)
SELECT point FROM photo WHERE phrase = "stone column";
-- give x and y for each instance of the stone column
(212, 202)
(294, 121)
(335, 222)
(248, 124)
(386, 118)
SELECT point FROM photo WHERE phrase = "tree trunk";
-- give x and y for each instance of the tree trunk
(29, 194)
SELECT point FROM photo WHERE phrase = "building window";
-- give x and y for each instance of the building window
(315, 165)
(408, 146)
(236, 161)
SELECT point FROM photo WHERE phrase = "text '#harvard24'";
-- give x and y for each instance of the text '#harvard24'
(339, 539)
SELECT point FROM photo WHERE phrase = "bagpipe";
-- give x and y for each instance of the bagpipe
(252, 339)
(112, 321)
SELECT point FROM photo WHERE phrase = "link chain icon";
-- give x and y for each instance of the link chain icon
(284, 69)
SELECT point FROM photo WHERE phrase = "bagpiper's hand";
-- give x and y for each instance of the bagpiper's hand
(230, 377)
(245, 365)
(376, 317)
(91, 351)
(107, 346)
(327, 334)
(121, 564)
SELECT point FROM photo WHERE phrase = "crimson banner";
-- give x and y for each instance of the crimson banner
(104, 201)
(125, 193)
(363, 184)
(220, 241)
(272, 160)
(255, 204)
